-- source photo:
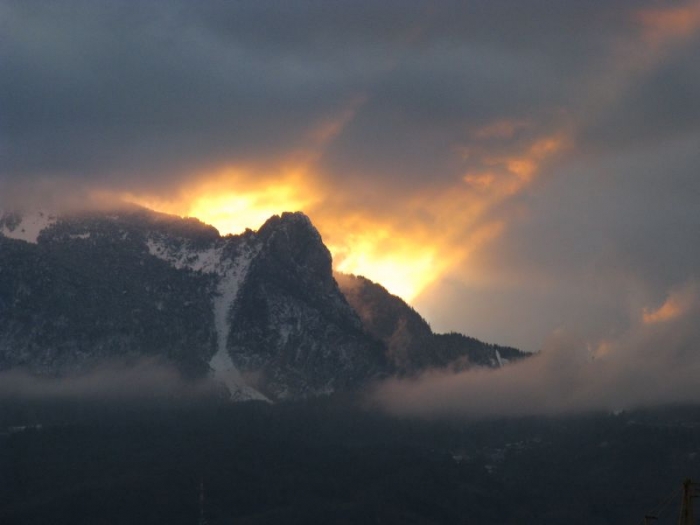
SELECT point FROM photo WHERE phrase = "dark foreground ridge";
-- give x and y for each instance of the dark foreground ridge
(318, 461)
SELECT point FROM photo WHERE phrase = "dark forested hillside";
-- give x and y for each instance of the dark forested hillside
(327, 462)
(261, 312)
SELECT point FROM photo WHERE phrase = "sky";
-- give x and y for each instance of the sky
(515, 169)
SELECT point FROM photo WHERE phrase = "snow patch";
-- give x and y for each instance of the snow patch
(232, 273)
(28, 228)
(498, 357)
(501, 361)
(183, 256)
(221, 363)
(285, 331)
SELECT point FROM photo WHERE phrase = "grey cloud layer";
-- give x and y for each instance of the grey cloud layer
(650, 364)
(606, 237)
(142, 381)
(148, 90)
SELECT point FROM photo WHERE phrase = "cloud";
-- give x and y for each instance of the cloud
(102, 92)
(143, 381)
(678, 303)
(655, 362)
(669, 22)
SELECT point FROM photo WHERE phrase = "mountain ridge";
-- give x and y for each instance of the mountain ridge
(261, 312)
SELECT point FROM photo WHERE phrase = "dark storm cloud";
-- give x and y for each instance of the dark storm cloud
(657, 105)
(416, 116)
(154, 90)
(98, 89)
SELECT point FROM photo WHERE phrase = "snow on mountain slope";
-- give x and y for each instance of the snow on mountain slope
(224, 369)
(184, 256)
(231, 272)
(25, 226)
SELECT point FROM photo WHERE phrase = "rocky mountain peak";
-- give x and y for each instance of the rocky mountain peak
(260, 312)
(291, 237)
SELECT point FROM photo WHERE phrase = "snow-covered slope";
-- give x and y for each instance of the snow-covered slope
(231, 273)
(25, 226)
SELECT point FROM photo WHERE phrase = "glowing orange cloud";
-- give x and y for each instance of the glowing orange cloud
(506, 175)
(233, 199)
(406, 245)
(403, 265)
(677, 304)
(662, 24)
(432, 232)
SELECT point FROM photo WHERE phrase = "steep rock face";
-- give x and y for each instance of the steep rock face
(411, 344)
(405, 333)
(292, 328)
(259, 311)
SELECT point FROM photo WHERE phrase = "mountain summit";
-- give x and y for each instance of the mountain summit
(261, 312)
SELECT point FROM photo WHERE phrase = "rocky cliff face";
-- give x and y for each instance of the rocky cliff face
(291, 326)
(411, 345)
(261, 312)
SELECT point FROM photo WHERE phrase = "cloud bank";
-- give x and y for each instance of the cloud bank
(145, 381)
(654, 363)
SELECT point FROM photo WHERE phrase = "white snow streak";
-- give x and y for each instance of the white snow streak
(232, 273)
(224, 369)
(501, 360)
(30, 226)
(207, 261)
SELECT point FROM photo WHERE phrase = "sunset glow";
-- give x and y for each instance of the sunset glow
(360, 246)
(670, 22)
(677, 304)
(234, 199)
(388, 256)
(405, 250)
(400, 264)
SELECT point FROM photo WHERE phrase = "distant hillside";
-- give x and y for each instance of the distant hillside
(411, 344)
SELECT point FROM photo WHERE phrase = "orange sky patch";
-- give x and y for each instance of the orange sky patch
(677, 304)
(662, 24)
(506, 175)
(405, 248)
(233, 200)
(406, 244)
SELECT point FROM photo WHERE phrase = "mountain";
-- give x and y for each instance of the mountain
(411, 345)
(261, 311)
